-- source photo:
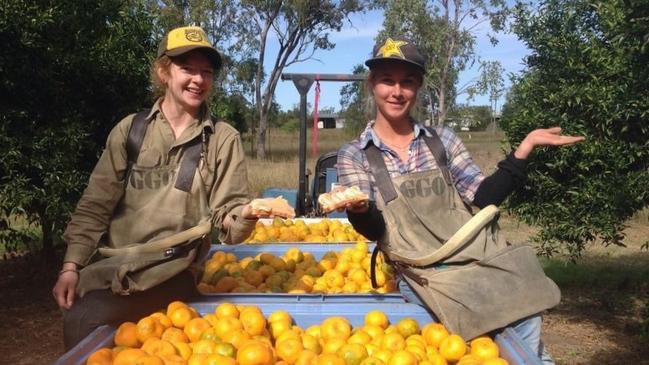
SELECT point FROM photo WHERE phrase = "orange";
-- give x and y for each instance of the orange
(313, 331)
(289, 350)
(418, 351)
(434, 333)
(225, 284)
(437, 359)
(148, 327)
(280, 315)
(376, 318)
(180, 316)
(403, 357)
(103, 356)
(236, 338)
(329, 359)
(126, 335)
(452, 348)
(149, 360)
(226, 310)
(173, 306)
(197, 359)
(311, 343)
(227, 324)
(253, 321)
(204, 347)
(129, 357)
(195, 327)
(183, 349)
(212, 318)
(173, 334)
(208, 334)
(332, 346)
(306, 357)
(158, 347)
(173, 360)
(393, 341)
(225, 349)
(278, 327)
(408, 327)
(361, 337)
(216, 359)
(469, 359)
(352, 353)
(373, 330)
(484, 349)
(255, 353)
(335, 327)
(163, 319)
(372, 361)
(383, 355)
(497, 361)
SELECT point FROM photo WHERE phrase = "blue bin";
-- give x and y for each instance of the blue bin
(318, 251)
(511, 346)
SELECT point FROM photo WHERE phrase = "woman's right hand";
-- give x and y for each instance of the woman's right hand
(66, 285)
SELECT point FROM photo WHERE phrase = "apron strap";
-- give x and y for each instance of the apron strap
(375, 253)
(436, 146)
(135, 139)
(189, 164)
(380, 171)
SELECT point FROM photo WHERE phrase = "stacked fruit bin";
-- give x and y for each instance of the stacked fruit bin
(315, 283)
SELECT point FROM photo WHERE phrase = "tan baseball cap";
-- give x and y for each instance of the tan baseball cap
(184, 39)
(399, 49)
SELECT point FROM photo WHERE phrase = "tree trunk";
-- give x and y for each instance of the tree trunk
(441, 117)
(261, 135)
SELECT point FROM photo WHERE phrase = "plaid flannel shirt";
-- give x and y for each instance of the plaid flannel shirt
(354, 169)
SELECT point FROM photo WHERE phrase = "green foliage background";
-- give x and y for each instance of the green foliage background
(588, 74)
(73, 70)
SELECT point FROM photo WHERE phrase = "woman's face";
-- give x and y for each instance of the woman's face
(189, 80)
(395, 85)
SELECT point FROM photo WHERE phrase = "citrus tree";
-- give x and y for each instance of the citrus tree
(74, 70)
(587, 73)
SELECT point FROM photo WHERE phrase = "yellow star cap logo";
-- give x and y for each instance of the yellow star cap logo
(391, 48)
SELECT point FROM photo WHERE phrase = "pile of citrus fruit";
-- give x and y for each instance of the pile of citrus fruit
(238, 334)
(297, 272)
(297, 230)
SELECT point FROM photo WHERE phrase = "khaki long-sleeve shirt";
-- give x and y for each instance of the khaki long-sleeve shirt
(223, 172)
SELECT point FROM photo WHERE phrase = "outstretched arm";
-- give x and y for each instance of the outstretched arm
(511, 174)
(544, 137)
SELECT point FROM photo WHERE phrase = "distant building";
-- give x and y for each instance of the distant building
(330, 121)
(459, 124)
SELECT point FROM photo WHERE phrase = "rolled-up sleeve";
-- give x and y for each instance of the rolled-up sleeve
(230, 191)
(352, 170)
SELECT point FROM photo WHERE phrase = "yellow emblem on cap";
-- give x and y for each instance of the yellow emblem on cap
(391, 48)
(194, 35)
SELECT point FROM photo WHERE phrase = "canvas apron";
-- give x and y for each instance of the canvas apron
(476, 286)
(158, 230)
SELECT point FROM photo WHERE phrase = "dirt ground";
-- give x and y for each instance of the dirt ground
(588, 327)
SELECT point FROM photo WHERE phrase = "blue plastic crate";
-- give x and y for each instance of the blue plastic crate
(318, 251)
(511, 346)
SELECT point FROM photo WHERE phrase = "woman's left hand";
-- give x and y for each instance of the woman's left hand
(544, 137)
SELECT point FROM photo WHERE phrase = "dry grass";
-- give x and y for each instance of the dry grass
(281, 168)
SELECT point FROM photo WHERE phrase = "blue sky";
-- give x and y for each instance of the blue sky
(354, 44)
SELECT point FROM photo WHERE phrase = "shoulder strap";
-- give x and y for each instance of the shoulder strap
(136, 137)
(380, 171)
(436, 146)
